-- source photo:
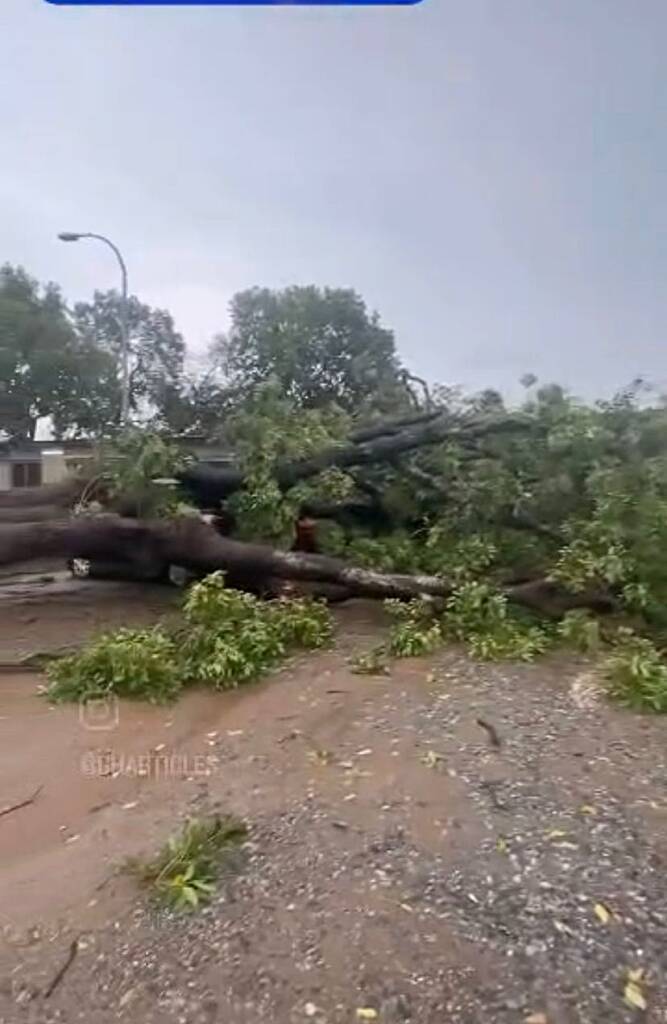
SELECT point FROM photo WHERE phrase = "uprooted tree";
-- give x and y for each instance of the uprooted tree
(556, 505)
(507, 530)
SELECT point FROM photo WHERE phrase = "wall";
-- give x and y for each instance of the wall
(54, 467)
(5, 475)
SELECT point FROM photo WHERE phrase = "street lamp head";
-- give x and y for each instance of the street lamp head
(69, 236)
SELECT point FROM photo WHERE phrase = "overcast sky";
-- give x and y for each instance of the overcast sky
(491, 175)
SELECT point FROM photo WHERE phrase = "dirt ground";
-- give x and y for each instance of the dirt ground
(401, 865)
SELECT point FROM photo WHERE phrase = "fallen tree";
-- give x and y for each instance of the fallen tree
(540, 506)
(196, 546)
(210, 485)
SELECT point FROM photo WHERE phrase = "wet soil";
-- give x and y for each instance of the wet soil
(404, 862)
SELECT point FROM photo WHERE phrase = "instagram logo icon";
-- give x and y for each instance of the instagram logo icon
(99, 712)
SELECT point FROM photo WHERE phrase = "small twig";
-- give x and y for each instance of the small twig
(23, 803)
(293, 735)
(73, 950)
(99, 807)
(491, 787)
(494, 738)
(105, 881)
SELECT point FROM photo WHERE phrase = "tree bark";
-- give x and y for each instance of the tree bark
(196, 546)
(210, 486)
(61, 495)
(393, 426)
(37, 513)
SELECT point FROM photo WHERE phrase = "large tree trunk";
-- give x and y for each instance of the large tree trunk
(61, 495)
(196, 546)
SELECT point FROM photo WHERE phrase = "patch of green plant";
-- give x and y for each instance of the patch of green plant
(183, 874)
(130, 467)
(458, 558)
(479, 616)
(301, 622)
(636, 673)
(140, 663)
(512, 642)
(415, 631)
(371, 663)
(229, 638)
(266, 432)
(233, 637)
(393, 552)
(578, 629)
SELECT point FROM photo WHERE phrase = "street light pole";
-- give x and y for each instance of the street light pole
(75, 236)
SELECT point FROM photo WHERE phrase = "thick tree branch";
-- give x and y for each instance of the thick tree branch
(392, 427)
(212, 485)
(197, 546)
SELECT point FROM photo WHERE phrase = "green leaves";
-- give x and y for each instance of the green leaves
(229, 638)
(135, 663)
(476, 615)
(131, 465)
(581, 631)
(636, 673)
(183, 873)
(269, 429)
(321, 346)
(479, 616)
(234, 637)
(46, 369)
(415, 631)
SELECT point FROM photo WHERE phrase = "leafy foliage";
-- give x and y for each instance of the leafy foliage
(183, 874)
(229, 638)
(267, 430)
(637, 674)
(480, 617)
(131, 465)
(415, 631)
(233, 637)
(46, 369)
(156, 348)
(128, 663)
(321, 346)
(371, 663)
(475, 615)
(578, 629)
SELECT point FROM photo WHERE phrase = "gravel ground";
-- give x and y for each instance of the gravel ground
(405, 863)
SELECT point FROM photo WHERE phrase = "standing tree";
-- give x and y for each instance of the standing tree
(156, 348)
(46, 369)
(321, 346)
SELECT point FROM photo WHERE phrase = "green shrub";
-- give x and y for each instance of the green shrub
(141, 663)
(231, 655)
(234, 637)
(636, 673)
(300, 622)
(478, 616)
(415, 631)
(578, 629)
(230, 638)
(513, 641)
(371, 663)
(410, 639)
(183, 873)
